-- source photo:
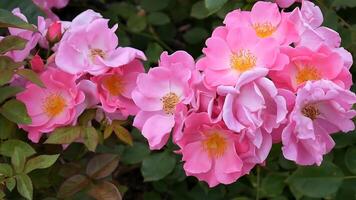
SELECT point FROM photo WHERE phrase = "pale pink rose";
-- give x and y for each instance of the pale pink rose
(48, 5)
(114, 89)
(215, 154)
(308, 65)
(267, 22)
(254, 103)
(31, 37)
(93, 49)
(226, 59)
(161, 94)
(51, 107)
(321, 108)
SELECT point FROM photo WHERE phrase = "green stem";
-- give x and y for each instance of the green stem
(258, 183)
(349, 177)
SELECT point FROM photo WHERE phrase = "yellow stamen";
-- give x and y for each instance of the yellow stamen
(96, 52)
(54, 105)
(114, 85)
(243, 60)
(264, 30)
(307, 73)
(170, 101)
(310, 111)
(215, 144)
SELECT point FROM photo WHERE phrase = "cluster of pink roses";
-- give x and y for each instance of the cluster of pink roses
(267, 76)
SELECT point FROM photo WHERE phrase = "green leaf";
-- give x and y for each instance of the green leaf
(344, 139)
(15, 111)
(10, 183)
(122, 9)
(158, 18)
(9, 91)
(7, 148)
(137, 23)
(102, 165)
(344, 3)
(12, 42)
(317, 182)
(122, 133)
(350, 159)
(157, 166)
(6, 169)
(153, 52)
(87, 116)
(105, 191)
(24, 185)
(135, 154)
(73, 185)
(7, 69)
(154, 5)
(199, 10)
(214, 5)
(31, 76)
(91, 138)
(8, 128)
(40, 162)
(7, 19)
(28, 8)
(273, 184)
(18, 160)
(195, 35)
(65, 135)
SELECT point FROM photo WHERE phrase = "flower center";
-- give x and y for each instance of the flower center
(54, 105)
(308, 73)
(114, 85)
(96, 52)
(243, 60)
(310, 111)
(170, 101)
(264, 30)
(215, 144)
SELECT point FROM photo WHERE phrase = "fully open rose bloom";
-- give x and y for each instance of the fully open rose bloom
(92, 48)
(266, 21)
(160, 95)
(114, 89)
(321, 108)
(215, 154)
(54, 106)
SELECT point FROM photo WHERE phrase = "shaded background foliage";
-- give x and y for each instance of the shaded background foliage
(168, 25)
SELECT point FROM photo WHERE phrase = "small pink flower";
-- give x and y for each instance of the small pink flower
(321, 108)
(226, 59)
(161, 94)
(114, 88)
(308, 65)
(37, 64)
(266, 21)
(31, 37)
(54, 33)
(215, 154)
(93, 48)
(53, 106)
(253, 103)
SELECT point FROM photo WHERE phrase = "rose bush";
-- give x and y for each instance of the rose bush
(261, 109)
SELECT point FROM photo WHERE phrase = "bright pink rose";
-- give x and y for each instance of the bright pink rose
(285, 3)
(31, 37)
(53, 106)
(215, 154)
(47, 5)
(308, 65)
(37, 64)
(54, 33)
(266, 21)
(321, 108)
(253, 103)
(226, 59)
(114, 88)
(93, 48)
(161, 94)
